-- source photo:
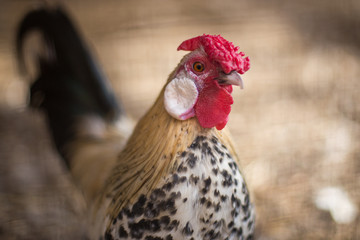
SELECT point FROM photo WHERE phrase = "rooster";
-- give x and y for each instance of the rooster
(175, 175)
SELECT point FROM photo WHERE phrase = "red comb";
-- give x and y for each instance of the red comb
(220, 50)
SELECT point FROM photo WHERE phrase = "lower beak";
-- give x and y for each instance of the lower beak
(233, 78)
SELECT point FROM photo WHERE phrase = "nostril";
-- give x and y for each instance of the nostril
(221, 81)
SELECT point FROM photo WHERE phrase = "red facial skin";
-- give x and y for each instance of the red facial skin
(214, 101)
(218, 55)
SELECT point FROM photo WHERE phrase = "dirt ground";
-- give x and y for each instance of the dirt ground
(296, 124)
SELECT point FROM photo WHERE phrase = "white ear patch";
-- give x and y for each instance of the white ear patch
(180, 97)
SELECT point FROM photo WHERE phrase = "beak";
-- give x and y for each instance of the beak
(233, 78)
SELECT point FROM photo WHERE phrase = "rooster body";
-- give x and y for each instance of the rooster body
(176, 176)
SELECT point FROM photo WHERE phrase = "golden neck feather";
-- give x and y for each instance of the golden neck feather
(150, 154)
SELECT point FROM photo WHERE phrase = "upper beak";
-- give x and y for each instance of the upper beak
(233, 78)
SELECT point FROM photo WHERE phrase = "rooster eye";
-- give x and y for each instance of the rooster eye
(198, 67)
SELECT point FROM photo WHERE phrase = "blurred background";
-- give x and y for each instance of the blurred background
(296, 124)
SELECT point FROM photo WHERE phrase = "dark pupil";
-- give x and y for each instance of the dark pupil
(198, 66)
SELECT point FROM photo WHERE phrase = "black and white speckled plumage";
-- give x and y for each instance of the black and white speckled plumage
(205, 198)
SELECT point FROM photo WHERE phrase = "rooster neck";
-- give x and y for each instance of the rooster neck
(150, 154)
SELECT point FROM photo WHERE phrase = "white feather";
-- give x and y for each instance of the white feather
(337, 202)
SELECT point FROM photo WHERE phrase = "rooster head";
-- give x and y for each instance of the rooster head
(202, 84)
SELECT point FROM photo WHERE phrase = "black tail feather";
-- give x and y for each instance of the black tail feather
(71, 85)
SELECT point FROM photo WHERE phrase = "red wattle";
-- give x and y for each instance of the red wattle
(223, 124)
(213, 106)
